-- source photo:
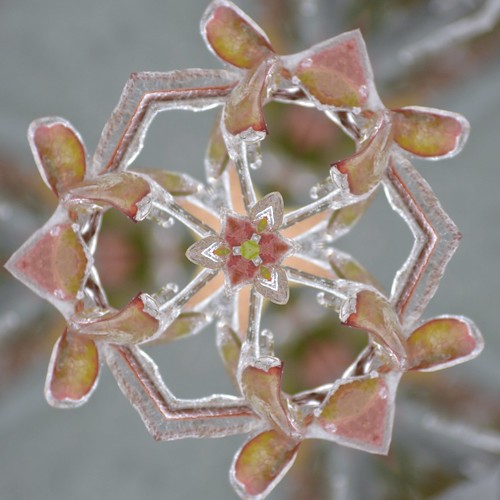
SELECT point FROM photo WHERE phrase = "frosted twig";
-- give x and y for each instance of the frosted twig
(171, 207)
(324, 284)
(242, 168)
(482, 21)
(329, 201)
(486, 440)
(191, 289)
(254, 317)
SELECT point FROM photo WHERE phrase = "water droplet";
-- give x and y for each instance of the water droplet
(383, 393)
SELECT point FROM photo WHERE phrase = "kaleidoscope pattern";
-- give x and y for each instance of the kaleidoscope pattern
(250, 249)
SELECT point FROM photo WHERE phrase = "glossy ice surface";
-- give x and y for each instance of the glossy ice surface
(260, 246)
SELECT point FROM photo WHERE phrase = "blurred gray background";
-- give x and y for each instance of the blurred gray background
(71, 59)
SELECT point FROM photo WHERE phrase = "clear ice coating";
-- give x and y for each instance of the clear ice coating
(250, 249)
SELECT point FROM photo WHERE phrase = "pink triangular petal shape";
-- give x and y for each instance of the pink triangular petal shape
(337, 73)
(53, 262)
(237, 230)
(239, 272)
(274, 248)
(359, 413)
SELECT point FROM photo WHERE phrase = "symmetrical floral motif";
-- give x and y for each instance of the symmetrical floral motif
(260, 247)
(250, 250)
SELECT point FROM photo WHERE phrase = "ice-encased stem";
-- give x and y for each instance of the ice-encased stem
(333, 287)
(327, 202)
(169, 206)
(243, 170)
(191, 289)
(254, 317)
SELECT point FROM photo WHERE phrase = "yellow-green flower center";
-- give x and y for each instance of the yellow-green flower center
(250, 250)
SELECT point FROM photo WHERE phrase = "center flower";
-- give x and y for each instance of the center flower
(249, 250)
(253, 249)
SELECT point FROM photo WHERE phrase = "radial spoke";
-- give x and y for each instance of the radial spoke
(169, 206)
(338, 288)
(191, 289)
(253, 338)
(331, 201)
(243, 170)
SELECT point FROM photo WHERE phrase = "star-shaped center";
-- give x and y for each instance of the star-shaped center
(249, 250)
(253, 247)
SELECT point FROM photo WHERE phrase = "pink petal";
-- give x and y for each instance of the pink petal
(52, 262)
(430, 133)
(123, 190)
(204, 252)
(356, 414)
(364, 169)
(233, 36)
(337, 72)
(237, 230)
(275, 288)
(59, 153)
(374, 314)
(273, 248)
(243, 113)
(240, 271)
(261, 463)
(444, 342)
(261, 387)
(270, 208)
(73, 371)
(131, 325)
